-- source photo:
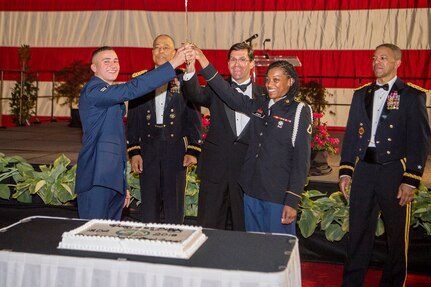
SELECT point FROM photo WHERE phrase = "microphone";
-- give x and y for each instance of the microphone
(251, 38)
(266, 40)
(266, 53)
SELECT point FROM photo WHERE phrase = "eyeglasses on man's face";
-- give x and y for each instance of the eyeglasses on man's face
(241, 60)
(162, 48)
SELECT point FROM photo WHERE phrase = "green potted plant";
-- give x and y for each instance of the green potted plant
(134, 185)
(54, 184)
(322, 145)
(192, 193)
(421, 209)
(314, 94)
(24, 93)
(11, 170)
(71, 80)
(331, 213)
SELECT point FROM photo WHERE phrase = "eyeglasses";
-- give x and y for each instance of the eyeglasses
(164, 48)
(240, 60)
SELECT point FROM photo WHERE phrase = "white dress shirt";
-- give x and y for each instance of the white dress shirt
(379, 102)
(241, 120)
(160, 101)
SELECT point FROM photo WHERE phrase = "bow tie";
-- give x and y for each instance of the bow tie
(243, 87)
(384, 87)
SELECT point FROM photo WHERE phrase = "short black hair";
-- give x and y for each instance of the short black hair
(394, 48)
(242, 46)
(164, 35)
(101, 49)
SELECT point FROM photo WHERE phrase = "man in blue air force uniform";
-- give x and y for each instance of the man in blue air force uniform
(100, 175)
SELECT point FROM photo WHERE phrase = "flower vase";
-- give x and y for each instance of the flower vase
(319, 163)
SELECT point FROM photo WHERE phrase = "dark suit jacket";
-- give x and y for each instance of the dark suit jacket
(402, 134)
(102, 159)
(182, 125)
(278, 159)
(223, 151)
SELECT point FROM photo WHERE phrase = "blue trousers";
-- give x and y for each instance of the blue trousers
(100, 203)
(265, 216)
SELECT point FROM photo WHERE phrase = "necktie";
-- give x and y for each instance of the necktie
(242, 87)
(384, 87)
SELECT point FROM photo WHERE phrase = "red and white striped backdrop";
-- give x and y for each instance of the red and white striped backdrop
(333, 39)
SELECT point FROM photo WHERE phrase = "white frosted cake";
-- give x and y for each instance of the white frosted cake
(162, 240)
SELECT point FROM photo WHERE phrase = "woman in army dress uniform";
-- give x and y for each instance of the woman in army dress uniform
(278, 157)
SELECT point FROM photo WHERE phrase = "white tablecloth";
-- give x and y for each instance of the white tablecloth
(19, 269)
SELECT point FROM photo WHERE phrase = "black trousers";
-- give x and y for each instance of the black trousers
(219, 200)
(163, 183)
(374, 189)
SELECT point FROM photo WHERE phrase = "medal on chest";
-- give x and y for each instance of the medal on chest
(393, 101)
(281, 121)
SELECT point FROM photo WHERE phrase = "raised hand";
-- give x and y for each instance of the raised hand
(180, 55)
(191, 60)
(190, 54)
(200, 56)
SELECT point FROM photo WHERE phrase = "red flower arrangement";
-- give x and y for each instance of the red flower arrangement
(321, 139)
(205, 125)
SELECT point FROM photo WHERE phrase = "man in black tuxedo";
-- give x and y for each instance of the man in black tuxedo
(226, 143)
(383, 155)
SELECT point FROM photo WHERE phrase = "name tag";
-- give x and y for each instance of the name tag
(259, 113)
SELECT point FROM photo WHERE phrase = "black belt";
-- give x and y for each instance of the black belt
(371, 155)
(160, 126)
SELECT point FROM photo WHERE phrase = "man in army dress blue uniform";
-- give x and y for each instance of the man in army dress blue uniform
(163, 134)
(383, 155)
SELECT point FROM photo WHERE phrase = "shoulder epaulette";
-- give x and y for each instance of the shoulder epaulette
(417, 87)
(134, 75)
(367, 84)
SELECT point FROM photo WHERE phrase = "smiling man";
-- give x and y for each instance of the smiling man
(163, 134)
(383, 157)
(223, 152)
(100, 176)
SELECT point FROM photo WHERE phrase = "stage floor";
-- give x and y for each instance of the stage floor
(43, 143)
